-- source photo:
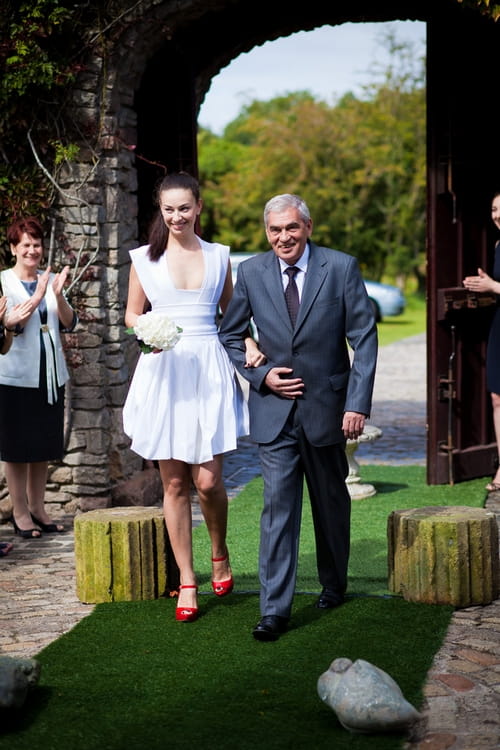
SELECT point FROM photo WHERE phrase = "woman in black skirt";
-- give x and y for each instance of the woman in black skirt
(484, 283)
(32, 377)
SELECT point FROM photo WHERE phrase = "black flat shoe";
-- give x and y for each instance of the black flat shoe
(270, 628)
(26, 533)
(329, 599)
(48, 528)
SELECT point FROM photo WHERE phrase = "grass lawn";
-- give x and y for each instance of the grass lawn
(410, 323)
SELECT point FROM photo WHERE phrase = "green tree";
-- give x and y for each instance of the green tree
(359, 164)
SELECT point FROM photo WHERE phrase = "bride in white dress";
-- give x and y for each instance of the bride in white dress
(185, 407)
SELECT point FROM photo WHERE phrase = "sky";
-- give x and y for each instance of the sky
(328, 62)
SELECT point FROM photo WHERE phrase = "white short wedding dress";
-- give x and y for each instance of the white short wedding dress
(185, 403)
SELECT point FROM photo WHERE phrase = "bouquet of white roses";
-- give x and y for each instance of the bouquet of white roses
(155, 331)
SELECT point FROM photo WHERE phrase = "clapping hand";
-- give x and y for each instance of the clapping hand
(41, 287)
(59, 281)
(480, 283)
(19, 314)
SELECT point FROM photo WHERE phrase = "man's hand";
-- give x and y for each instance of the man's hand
(277, 380)
(353, 424)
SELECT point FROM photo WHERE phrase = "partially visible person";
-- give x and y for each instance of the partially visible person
(5, 336)
(5, 343)
(485, 283)
(32, 377)
(185, 408)
(308, 303)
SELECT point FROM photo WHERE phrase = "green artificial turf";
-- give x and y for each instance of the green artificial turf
(129, 676)
(397, 487)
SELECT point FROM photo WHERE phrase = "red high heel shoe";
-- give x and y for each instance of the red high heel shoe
(186, 614)
(222, 588)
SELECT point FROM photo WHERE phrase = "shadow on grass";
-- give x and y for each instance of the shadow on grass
(17, 719)
(387, 487)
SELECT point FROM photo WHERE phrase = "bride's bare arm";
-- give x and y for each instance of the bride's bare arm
(136, 300)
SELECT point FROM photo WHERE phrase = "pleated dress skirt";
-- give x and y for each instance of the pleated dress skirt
(185, 403)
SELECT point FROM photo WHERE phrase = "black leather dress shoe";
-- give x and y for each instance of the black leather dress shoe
(270, 628)
(329, 599)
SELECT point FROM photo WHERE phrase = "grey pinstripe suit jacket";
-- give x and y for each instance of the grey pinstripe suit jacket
(334, 310)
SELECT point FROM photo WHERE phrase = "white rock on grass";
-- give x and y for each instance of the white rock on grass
(365, 698)
(17, 676)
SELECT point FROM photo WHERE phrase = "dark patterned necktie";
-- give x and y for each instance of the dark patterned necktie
(292, 294)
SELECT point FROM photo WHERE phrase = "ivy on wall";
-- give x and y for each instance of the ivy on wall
(35, 66)
(43, 45)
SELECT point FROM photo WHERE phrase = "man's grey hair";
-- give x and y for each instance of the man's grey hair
(287, 200)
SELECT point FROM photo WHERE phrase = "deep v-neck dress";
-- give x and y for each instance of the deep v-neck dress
(185, 403)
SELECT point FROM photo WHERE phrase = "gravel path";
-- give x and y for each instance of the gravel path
(399, 405)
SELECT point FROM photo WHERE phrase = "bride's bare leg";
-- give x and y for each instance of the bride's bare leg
(176, 479)
(209, 484)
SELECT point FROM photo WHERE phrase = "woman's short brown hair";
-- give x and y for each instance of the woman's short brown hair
(30, 225)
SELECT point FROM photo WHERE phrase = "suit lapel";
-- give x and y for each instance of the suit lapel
(317, 270)
(315, 276)
(273, 284)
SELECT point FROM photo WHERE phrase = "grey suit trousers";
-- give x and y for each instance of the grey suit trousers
(285, 462)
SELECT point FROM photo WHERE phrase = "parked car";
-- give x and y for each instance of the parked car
(387, 301)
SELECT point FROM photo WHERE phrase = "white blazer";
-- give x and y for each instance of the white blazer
(21, 365)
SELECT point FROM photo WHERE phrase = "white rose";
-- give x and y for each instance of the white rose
(157, 331)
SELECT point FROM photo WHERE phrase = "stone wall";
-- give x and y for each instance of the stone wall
(100, 353)
(96, 212)
(96, 225)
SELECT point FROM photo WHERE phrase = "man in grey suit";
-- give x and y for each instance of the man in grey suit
(305, 401)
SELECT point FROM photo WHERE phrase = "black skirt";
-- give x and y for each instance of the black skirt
(493, 355)
(493, 351)
(31, 429)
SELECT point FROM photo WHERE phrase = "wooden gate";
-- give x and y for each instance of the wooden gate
(463, 173)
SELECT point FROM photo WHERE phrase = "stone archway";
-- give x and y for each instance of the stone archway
(139, 97)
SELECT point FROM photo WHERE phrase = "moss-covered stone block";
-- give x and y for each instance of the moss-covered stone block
(444, 555)
(121, 554)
